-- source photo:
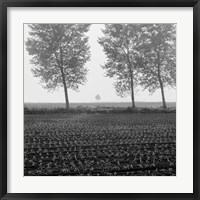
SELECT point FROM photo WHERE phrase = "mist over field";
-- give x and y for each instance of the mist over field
(98, 104)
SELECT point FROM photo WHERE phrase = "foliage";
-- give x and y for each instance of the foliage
(59, 53)
(157, 59)
(120, 43)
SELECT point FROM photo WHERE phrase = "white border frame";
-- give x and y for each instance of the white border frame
(182, 183)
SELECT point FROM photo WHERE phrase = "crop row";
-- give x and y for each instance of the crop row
(100, 144)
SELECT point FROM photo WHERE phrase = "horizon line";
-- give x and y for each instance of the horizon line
(109, 102)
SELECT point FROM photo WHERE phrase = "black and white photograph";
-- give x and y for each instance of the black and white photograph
(100, 99)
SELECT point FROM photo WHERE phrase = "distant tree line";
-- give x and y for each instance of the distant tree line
(137, 55)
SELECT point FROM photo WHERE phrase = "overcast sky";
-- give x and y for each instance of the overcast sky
(97, 83)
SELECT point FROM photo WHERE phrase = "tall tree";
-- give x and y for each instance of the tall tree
(120, 42)
(157, 58)
(59, 53)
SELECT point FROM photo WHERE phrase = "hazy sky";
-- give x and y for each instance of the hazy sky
(97, 83)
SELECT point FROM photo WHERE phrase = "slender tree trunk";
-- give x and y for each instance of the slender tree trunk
(63, 79)
(163, 95)
(162, 89)
(132, 85)
(132, 92)
(65, 90)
